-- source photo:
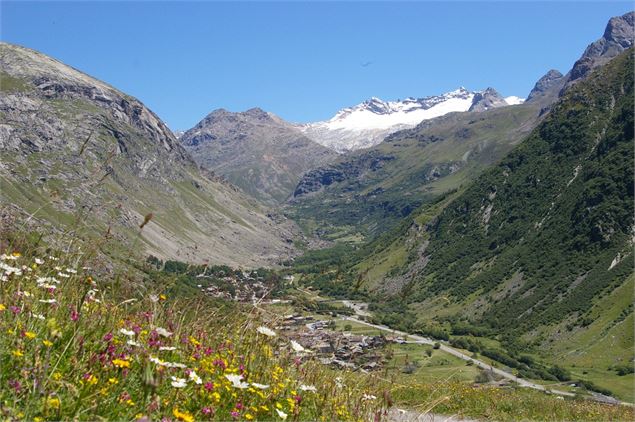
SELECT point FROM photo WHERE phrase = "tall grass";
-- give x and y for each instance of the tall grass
(71, 347)
(503, 404)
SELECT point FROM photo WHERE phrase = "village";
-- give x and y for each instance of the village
(341, 350)
(337, 349)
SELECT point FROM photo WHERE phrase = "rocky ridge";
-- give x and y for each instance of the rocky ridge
(255, 150)
(76, 152)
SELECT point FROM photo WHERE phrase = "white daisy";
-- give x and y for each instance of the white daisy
(163, 332)
(194, 377)
(236, 381)
(297, 346)
(169, 348)
(266, 331)
(128, 333)
(178, 382)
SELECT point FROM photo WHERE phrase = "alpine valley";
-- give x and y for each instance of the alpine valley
(373, 266)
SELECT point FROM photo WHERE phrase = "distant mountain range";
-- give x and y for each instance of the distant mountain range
(369, 190)
(266, 156)
(367, 124)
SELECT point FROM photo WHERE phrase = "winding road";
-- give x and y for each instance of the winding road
(455, 352)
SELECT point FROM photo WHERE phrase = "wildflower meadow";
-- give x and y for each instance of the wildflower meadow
(70, 348)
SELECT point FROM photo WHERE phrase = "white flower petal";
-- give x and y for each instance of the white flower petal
(260, 386)
(297, 346)
(236, 381)
(308, 388)
(163, 332)
(194, 377)
(128, 333)
(47, 301)
(178, 382)
(266, 331)
(282, 415)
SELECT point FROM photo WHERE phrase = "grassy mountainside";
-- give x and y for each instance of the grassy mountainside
(370, 191)
(76, 152)
(539, 247)
(255, 150)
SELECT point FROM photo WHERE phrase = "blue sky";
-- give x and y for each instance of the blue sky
(304, 61)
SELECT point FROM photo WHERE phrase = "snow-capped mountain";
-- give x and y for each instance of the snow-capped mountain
(368, 123)
(514, 100)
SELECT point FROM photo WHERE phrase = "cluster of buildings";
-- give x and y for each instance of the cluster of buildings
(342, 350)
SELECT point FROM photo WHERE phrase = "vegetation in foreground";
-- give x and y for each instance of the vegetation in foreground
(71, 348)
(503, 404)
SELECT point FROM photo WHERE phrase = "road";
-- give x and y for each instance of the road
(455, 352)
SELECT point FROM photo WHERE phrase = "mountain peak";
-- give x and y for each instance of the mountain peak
(543, 85)
(487, 99)
(620, 29)
(617, 37)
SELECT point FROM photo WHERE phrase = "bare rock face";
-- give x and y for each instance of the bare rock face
(255, 150)
(73, 148)
(487, 99)
(618, 36)
(546, 84)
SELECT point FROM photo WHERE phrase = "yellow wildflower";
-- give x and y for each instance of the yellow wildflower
(162, 297)
(2, 307)
(129, 402)
(249, 416)
(53, 402)
(278, 405)
(47, 343)
(120, 363)
(216, 396)
(38, 419)
(17, 353)
(30, 335)
(194, 341)
(264, 408)
(57, 376)
(92, 380)
(16, 254)
(182, 416)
